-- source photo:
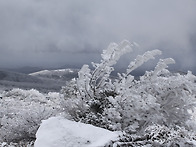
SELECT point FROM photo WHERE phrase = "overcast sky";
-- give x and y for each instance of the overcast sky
(53, 33)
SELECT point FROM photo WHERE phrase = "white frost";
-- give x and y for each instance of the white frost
(60, 132)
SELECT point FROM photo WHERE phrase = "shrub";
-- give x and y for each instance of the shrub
(127, 104)
(157, 135)
(21, 114)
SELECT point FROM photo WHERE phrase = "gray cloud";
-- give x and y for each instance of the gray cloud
(52, 33)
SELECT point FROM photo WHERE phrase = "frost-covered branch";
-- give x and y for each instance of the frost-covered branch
(163, 64)
(141, 59)
(109, 58)
(83, 81)
(89, 83)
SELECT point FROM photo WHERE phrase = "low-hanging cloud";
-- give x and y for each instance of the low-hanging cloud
(49, 32)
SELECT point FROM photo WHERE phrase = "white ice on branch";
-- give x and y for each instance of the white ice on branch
(163, 64)
(141, 59)
(88, 82)
(114, 51)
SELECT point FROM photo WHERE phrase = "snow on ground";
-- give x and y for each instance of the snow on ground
(60, 132)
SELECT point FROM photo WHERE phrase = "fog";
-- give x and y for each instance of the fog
(49, 33)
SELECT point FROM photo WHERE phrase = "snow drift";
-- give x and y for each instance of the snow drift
(60, 132)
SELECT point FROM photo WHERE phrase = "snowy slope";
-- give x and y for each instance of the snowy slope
(59, 74)
(50, 72)
(60, 132)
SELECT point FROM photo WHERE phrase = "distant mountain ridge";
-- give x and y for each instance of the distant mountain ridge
(44, 80)
(25, 70)
(17, 77)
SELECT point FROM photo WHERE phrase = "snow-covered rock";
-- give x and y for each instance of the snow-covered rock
(60, 132)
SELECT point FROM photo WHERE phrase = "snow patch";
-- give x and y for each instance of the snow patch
(40, 72)
(51, 72)
(58, 132)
